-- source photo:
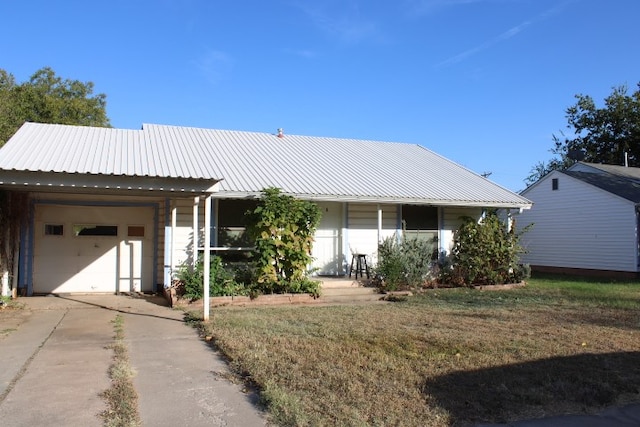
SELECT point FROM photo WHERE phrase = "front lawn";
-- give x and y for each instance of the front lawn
(449, 357)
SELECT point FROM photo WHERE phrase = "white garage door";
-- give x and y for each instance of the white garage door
(93, 249)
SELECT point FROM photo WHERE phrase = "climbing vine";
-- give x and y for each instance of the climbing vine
(282, 228)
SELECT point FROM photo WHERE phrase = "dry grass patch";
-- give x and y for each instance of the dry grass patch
(121, 397)
(450, 357)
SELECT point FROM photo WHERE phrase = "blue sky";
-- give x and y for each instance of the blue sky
(482, 82)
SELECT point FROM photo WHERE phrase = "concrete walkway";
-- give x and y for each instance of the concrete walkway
(56, 365)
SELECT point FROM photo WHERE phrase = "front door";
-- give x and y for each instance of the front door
(327, 246)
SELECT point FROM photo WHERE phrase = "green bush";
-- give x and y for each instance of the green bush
(222, 280)
(405, 264)
(282, 229)
(484, 252)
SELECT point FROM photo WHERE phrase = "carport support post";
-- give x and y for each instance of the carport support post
(207, 255)
(196, 231)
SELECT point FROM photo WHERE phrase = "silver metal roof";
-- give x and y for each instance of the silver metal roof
(310, 167)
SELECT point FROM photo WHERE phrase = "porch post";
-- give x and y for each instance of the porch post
(167, 243)
(174, 223)
(196, 231)
(379, 223)
(379, 233)
(207, 255)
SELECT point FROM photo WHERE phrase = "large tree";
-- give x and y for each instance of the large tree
(607, 135)
(47, 98)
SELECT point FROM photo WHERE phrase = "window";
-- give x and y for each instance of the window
(95, 230)
(420, 221)
(554, 184)
(232, 222)
(53, 230)
(135, 231)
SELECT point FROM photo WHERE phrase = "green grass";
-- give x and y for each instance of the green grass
(448, 357)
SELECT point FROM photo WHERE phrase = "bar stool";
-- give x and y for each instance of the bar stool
(361, 265)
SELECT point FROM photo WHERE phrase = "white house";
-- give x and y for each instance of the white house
(585, 220)
(116, 210)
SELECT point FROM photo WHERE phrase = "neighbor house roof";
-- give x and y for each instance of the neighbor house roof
(247, 162)
(622, 181)
(622, 171)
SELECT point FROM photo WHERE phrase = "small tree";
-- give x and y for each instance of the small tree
(282, 228)
(484, 252)
(48, 98)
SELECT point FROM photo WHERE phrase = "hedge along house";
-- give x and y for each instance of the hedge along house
(114, 210)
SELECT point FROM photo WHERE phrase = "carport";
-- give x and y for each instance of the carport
(83, 236)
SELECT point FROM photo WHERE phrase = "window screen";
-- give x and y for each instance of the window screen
(420, 217)
(95, 230)
(53, 229)
(232, 222)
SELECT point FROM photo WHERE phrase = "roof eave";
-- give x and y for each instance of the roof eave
(58, 181)
(386, 200)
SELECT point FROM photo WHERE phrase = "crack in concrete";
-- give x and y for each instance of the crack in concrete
(24, 367)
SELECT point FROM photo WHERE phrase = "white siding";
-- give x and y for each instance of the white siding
(363, 227)
(451, 221)
(578, 226)
(328, 257)
(183, 234)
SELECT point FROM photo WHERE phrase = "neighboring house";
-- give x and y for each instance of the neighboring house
(585, 220)
(115, 210)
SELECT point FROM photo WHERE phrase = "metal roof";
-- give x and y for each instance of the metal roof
(247, 162)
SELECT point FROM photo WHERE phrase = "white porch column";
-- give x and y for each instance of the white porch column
(196, 230)
(174, 224)
(379, 224)
(207, 255)
(379, 234)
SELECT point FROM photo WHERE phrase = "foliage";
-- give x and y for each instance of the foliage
(47, 98)
(282, 228)
(405, 264)
(14, 207)
(600, 135)
(222, 280)
(484, 252)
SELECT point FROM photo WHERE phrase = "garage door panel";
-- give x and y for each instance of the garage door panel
(71, 263)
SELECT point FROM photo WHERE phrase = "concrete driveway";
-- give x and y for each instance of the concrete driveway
(55, 358)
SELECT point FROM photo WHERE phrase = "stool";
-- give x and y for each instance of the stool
(361, 265)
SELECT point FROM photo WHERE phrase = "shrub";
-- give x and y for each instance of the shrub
(484, 252)
(282, 228)
(222, 280)
(405, 264)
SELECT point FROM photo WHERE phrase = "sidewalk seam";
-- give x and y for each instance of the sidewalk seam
(24, 367)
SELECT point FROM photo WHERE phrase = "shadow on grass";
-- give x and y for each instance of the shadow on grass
(584, 382)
